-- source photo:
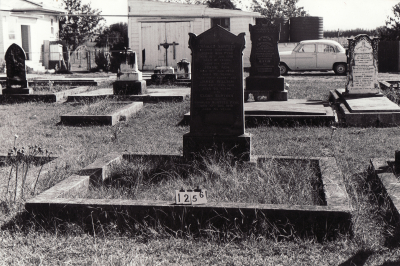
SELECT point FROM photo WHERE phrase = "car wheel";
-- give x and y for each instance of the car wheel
(283, 68)
(340, 69)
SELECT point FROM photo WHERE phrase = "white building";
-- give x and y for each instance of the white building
(30, 24)
(153, 23)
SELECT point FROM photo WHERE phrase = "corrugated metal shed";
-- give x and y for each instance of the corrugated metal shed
(153, 23)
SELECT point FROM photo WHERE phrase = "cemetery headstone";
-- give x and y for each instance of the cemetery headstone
(264, 82)
(217, 99)
(129, 78)
(16, 82)
(363, 66)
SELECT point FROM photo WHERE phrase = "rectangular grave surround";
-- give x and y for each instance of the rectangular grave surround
(48, 98)
(383, 169)
(366, 111)
(62, 201)
(126, 110)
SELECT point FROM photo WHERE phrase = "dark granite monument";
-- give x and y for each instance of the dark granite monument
(264, 82)
(362, 61)
(16, 82)
(216, 107)
(129, 78)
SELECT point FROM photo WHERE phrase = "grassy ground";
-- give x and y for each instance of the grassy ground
(99, 107)
(155, 130)
(272, 182)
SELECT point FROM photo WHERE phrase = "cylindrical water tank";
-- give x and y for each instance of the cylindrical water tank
(306, 28)
(285, 29)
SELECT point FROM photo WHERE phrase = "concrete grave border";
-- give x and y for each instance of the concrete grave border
(121, 114)
(366, 117)
(388, 180)
(138, 98)
(47, 98)
(71, 82)
(64, 196)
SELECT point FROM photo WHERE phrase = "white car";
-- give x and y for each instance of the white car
(314, 55)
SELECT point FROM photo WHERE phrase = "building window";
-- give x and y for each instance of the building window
(223, 22)
(52, 28)
(12, 24)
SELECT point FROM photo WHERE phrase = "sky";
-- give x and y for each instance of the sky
(337, 14)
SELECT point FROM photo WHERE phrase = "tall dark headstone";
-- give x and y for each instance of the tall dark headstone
(264, 82)
(217, 103)
(362, 59)
(16, 71)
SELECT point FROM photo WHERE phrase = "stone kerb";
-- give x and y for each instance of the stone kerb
(65, 199)
(121, 114)
(217, 99)
(363, 66)
(384, 172)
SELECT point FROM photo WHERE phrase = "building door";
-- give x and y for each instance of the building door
(26, 40)
(164, 43)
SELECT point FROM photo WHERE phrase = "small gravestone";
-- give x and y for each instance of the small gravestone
(16, 82)
(217, 102)
(129, 78)
(264, 82)
(363, 66)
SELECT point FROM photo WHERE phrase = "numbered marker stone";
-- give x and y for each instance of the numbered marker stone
(199, 197)
(183, 197)
(191, 197)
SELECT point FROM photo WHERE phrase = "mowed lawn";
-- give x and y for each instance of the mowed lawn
(156, 129)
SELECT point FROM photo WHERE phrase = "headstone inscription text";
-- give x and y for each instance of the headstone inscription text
(363, 65)
(217, 83)
(264, 57)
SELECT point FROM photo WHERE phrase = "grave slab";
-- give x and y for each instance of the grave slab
(366, 111)
(293, 109)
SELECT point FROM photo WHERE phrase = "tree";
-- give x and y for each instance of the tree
(76, 27)
(391, 31)
(223, 4)
(276, 9)
(115, 36)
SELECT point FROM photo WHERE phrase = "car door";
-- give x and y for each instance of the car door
(326, 55)
(306, 57)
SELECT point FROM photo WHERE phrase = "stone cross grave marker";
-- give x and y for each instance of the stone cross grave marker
(363, 65)
(217, 99)
(264, 82)
(16, 71)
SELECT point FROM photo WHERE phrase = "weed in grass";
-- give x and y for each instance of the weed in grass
(21, 161)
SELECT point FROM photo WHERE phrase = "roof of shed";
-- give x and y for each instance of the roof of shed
(149, 8)
(31, 6)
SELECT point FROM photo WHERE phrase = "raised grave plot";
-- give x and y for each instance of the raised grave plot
(302, 194)
(103, 112)
(384, 170)
(45, 93)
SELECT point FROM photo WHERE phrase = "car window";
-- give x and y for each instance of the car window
(325, 48)
(307, 48)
